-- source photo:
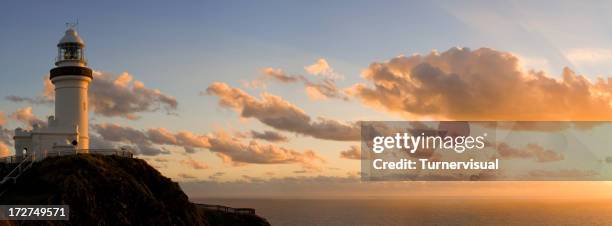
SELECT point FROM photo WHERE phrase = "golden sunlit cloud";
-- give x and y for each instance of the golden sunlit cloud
(268, 135)
(195, 164)
(2, 118)
(279, 75)
(231, 149)
(483, 84)
(5, 137)
(354, 152)
(279, 114)
(322, 68)
(25, 116)
(113, 96)
(588, 56)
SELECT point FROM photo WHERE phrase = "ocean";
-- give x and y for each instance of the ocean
(421, 211)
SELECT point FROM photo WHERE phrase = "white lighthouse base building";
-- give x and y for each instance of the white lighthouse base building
(50, 140)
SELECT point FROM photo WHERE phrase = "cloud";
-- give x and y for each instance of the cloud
(186, 176)
(123, 96)
(533, 63)
(4, 150)
(35, 100)
(324, 89)
(113, 96)
(484, 84)
(215, 176)
(279, 75)
(269, 73)
(531, 151)
(268, 135)
(585, 56)
(2, 118)
(116, 133)
(252, 179)
(541, 126)
(232, 150)
(97, 142)
(25, 116)
(322, 68)
(280, 114)
(318, 90)
(162, 160)
(6, 137)
(46, 97)
(354, 152)
(161, 136)
(189, 141)
(194, 164)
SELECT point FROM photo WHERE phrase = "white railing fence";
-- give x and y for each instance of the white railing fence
(226, 209)
(18, 159)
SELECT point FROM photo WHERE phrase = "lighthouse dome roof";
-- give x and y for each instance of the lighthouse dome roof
(71, 36)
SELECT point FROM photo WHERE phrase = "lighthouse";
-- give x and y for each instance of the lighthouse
(71, 79)
(68, 130)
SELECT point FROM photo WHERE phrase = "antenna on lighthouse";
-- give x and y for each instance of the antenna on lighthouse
(72, 25)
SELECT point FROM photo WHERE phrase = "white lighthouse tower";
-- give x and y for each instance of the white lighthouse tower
(68, 130)
(66, 133)
(71, 78)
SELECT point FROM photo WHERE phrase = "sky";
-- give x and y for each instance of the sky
(193, 81)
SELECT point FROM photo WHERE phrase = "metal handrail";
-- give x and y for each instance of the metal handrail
(19, 169)
(122, 153)
(227, 209)
(14, 159)
(117, 152)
